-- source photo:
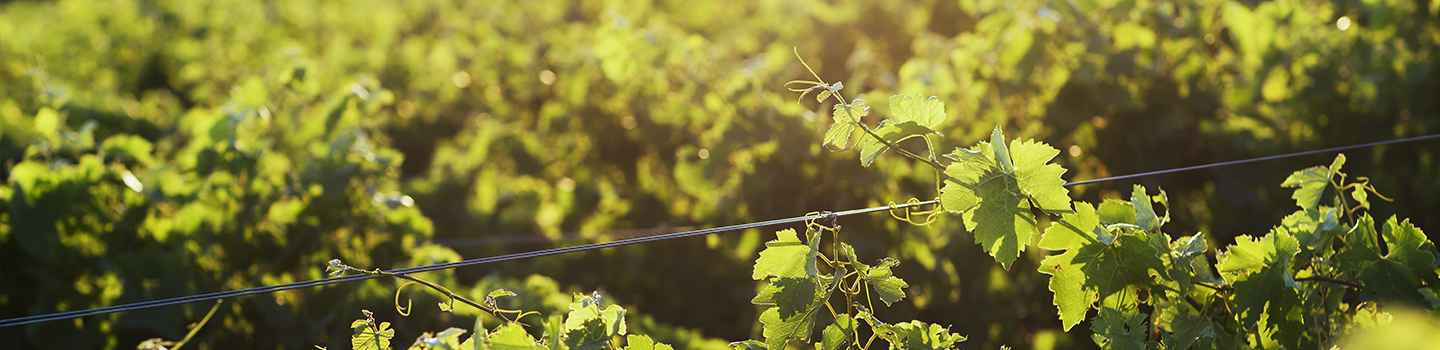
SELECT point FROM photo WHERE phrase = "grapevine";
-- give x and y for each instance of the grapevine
(1307, 283)
(1302, 285)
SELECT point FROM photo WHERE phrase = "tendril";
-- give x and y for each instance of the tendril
(409, 302)
(910, 213)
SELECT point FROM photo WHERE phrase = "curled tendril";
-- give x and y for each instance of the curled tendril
(910, 213)
(806, 86)
(812, 225)
(409, 302)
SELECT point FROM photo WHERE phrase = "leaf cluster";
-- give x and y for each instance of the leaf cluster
(1299, 286)
(801, 281)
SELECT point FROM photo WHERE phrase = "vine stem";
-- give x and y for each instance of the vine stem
(197, 327)
(1206, 285)
(1331, 280)
(438, 288)
(841, 98)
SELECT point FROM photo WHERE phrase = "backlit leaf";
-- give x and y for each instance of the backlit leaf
(995, 202)
(643, 342)
(1144, 213)
(370, 336)
(929, 113)
(786, 256)
(884, 283)
(892, 132)
(1311, 184)
(1090, 269)
(512, 336)
(1397, 274)
(836, 334)
(1264, 287)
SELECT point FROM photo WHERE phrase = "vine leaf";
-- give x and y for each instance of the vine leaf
(892, 132)
(1115, 329)
(590, 327)
(1264, 287)
(369, 335)
(846, 118)
(910, 117)
(1311, 182)
(916, 335)
(748, 345)
(836, 334)
(1188, 263)
(996, 201)
(1090, 268)
(1313, 228)
(1144, 213)
(1190, 329)
(643, 342)
(786, 256)
(779, 330)
(1360, 196)
(795, 287)
(1393, 276)
(929, 113)
(887, 286)
(447, 339)
(1115, 211)
(512, 336)
(791, 295)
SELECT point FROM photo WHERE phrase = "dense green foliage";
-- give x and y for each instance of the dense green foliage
(156, 148)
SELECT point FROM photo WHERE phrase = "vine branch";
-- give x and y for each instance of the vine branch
(1331, 280)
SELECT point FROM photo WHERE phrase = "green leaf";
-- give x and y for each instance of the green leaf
(555, 332)
(1311, 183)
(837, 334)
(786, 256)
(1361, 196)
(1002, 153)
(916, 335)
(748, 345)
(843, 130)
(449, 339)
(1144, 213)
(891, 132)
(499, 293)
(1188, 329)
(1313, 228)
(779, 330)
(369, 336)
(929, 113)
(1337, 163)
(1264, 287)
(1119, 330)
(839, 135)
(477, 339)
(795, 287)
(886, 285)
(643, 342)
(1114, 211)
(996, 203)
(589, 327)
(1091, 269)
(1188, 263)
(1396, 275)
(512, 336)
(792, 295)
(856, 110)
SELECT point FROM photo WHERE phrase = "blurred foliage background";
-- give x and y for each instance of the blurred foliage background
(160, 148)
